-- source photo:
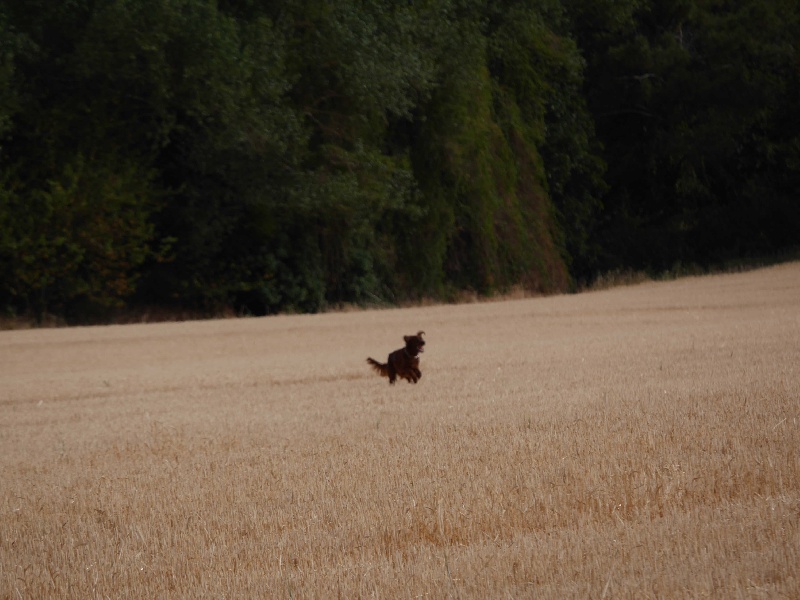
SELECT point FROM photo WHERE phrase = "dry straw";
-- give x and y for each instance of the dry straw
(629, 443)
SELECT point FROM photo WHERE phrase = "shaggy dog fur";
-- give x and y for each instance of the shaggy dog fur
(403, 362)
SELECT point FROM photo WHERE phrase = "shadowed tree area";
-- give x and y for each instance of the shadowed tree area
(299, 154)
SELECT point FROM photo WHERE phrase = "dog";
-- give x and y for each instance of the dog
(403, 362)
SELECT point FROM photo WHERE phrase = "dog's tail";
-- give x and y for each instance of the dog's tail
(379, 367)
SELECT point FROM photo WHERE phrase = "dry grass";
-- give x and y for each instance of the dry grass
(634, 442)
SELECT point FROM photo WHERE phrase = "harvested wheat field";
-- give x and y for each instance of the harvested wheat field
(638, 442)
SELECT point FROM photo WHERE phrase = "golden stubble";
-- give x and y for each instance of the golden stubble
(634, 442)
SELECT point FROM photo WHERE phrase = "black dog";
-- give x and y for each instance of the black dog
(403, 362)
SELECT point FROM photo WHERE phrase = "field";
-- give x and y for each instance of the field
(637, 442)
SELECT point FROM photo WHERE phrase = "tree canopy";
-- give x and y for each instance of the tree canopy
(298, 154)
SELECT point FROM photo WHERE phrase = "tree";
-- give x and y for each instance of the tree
(479, 148)
(74, 212)
(535, 60)
(77, 242)
(680, 92)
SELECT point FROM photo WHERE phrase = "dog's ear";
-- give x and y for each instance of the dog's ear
(420, 334)
(406, 338)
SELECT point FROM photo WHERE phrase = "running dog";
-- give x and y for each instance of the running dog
(403, 362)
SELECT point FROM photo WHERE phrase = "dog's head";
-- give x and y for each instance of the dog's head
(414, 343)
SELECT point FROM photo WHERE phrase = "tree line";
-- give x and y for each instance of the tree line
(278, 155)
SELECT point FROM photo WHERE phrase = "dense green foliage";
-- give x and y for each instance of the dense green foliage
(295, 154)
